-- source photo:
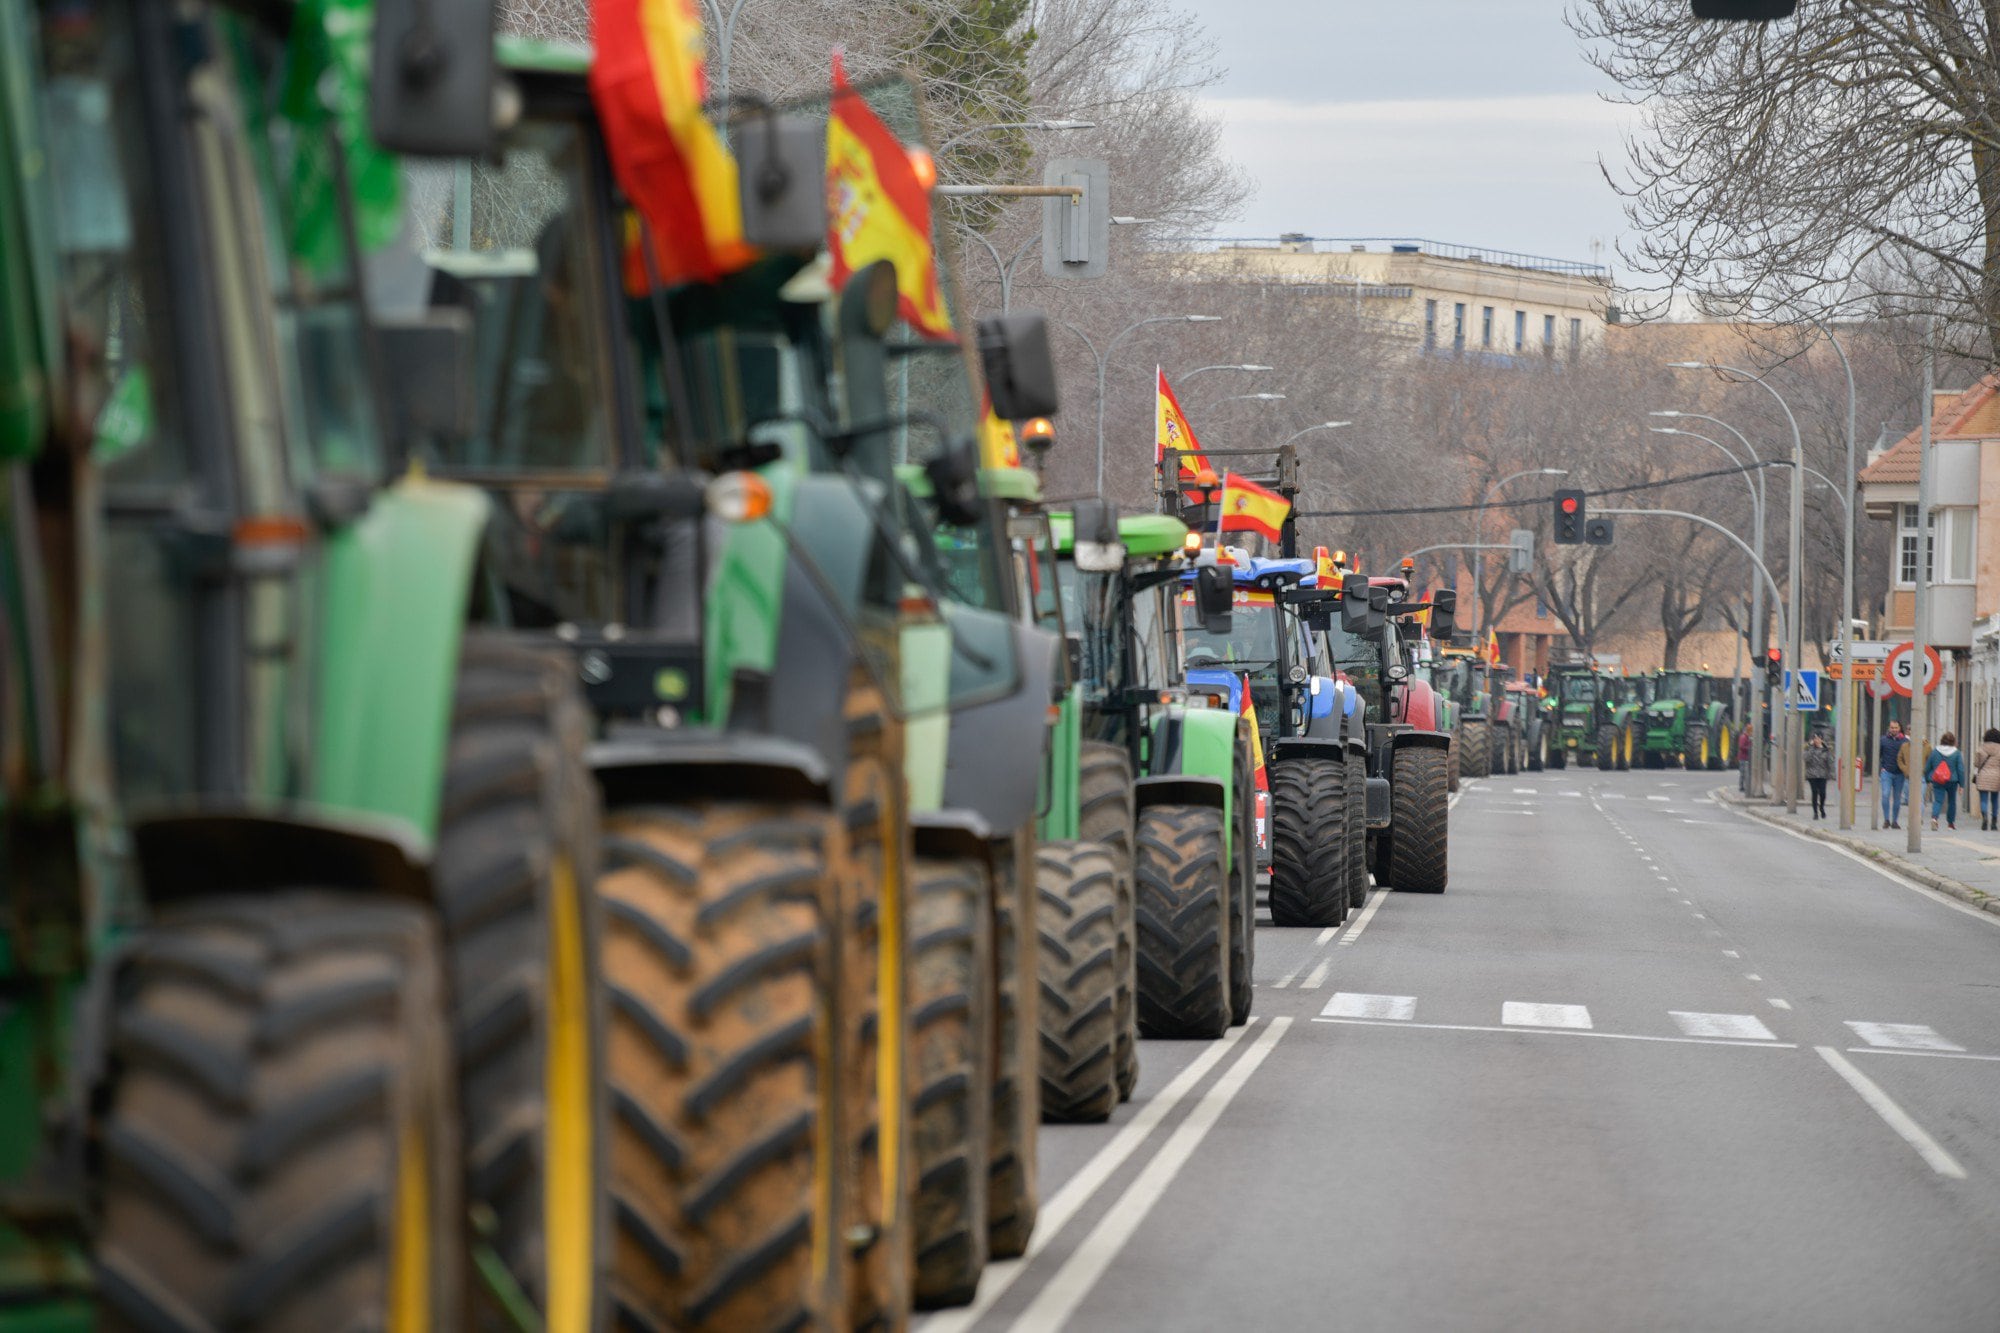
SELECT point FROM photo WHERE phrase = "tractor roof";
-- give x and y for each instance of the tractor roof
(532, 55)
(1142, 534)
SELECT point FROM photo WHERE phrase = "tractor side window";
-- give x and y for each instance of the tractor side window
(1155, 659)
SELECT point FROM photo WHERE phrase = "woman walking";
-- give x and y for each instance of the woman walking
(1944, 769)
(1819, 767)
(1986, 779)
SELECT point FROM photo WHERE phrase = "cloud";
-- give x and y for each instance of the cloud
(1519, 172)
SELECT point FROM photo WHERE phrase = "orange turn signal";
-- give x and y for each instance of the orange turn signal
(925, 167)
(1192, 543)
(739, 497)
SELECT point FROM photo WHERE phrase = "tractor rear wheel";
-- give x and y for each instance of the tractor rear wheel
(1725, 749)
(1105, 805)
(1417, 857)
(951, 1066)
(1077, 920)
(1451, 767)
(714, 947)
(1607, 748)
(1012, 1197)
(1243, 884)
(1183, 922)
(1510, 744)
(1357, 832)
(1309, 862)
(1538, 753)
(1694, 747)
(1628, 749)
(279, 1145)
(516, 866)
(1478, 741)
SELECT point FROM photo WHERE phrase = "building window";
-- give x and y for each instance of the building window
(1575, 336)
(1458, 325)
(1486, 327)
(1549, 331)
(1430, 323)
(1520, 329)
(1957, 525)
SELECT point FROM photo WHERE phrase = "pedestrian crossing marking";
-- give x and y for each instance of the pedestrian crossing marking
(1741, 1027)
(1903, 1036)
(1348, 1004)
(1518, 1013)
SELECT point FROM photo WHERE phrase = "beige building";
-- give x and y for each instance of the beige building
(1435, 293)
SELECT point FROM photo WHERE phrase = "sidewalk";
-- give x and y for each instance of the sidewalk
(1964, 863)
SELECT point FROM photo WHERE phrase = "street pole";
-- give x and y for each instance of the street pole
(1920, 699)
(1843, 723)
(1875, 806)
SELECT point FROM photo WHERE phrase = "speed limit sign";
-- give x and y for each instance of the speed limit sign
(1902, 668)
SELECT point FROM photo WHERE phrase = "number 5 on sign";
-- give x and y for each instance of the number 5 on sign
(1902, 669)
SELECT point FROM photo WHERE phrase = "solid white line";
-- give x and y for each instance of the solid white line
(1066, 1289)
(1326, 935)
(1367, 915)
(1933, 1055)
(1894, 1116)
(1777, 1003)
(1077, 1191)
(1318, 977)
(1561, 1032)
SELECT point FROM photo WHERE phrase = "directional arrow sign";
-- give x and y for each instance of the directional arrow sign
(1802, 691)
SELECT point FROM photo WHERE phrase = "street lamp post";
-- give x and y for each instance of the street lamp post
(1795, 555)
(1186, 375)
(1104, 365)
(1252, 398)
(1479, 534)
(1014, 125)
(1843, 718)
(1323, 425)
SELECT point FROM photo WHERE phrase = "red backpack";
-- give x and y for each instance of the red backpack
(1942, 773)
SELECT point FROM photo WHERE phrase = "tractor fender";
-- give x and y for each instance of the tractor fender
(1310, 747)
(1377, 803)
(951, 834)
(1178, 789)
(636, 764)
(206, 848)
(1420, 708)
(995, 754)
(1195, 742)
(1421, 740)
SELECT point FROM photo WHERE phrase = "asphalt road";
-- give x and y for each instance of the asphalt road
(1647, 1065)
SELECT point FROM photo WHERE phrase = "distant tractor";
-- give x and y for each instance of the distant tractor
(1573, 714)
(1687, 722)
(1620, 733)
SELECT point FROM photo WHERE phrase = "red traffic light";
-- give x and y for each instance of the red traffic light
(1775, 654)
(1569, 504)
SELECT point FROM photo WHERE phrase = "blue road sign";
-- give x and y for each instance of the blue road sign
(1802, 691)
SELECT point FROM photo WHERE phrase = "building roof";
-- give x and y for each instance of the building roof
(1969, 414)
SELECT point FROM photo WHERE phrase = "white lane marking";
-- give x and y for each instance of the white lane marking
(1288, 978)
(1519, 1013)
(1561, 1032)
(1348, 1004)
(1944, 899)
(1524, 791)
(1742, 1027)
(1613, 796)
(1529, 813)
(1699, 917)
(1751, 976)
(1894, 1116)
(1904, 1036)
(1731, 953)
(1929, 1055)
(1067, 1287)
(1318, 977)
(1326, 935)
(1659, 798)
(1367, 915)
(1571, 793)
(1777, 1003)
(1660, 876)
(1056, 1213)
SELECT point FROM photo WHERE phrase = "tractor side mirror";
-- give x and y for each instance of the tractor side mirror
(1098, 549)
(1378, 611)
(1214, 598)
(1020, 371)
(1444, 615)
(1319, 618)
(1354, 603)
(781, 181)
(431, 77)
(428, 364)
(954, 478)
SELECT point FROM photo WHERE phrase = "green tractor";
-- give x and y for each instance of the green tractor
(1621, 732)
(1573, 714)
(301, 1008)
(1687, 722)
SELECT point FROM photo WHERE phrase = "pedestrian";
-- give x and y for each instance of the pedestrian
(1892, 769)
(1819, 767)
(1986, 778)
(1944, 769)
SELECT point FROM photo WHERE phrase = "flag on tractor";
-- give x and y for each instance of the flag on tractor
(1171, 431)
(1492, 647)
(648, 80)
(1248, 507)
(1256, 740)
(879, 207)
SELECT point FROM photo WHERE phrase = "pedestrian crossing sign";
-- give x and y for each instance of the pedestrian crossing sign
(1802, 691)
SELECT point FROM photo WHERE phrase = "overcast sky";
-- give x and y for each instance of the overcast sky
(1475, 121)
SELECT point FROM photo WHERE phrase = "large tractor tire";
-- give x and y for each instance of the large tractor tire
(516, 869)
(1510, 745)
(1420, 817)
(1105, 816)
(1695, 748)
(868, 1231)
(1478, 759)
(1628, 749)
(1013, 1199)
(1077, 920)
(715, 945)
(1607, 748)
(1725, 749)
(1357, 832)
(1309, 861)
(278, 1144)
(1451, 767)
(1183, 923)
(1539, 752)
(1243, 884)
(951, 1063)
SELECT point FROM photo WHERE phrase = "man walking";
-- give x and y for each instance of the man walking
(1890, 778)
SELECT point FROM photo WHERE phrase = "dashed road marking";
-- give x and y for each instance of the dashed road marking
(1348, 1004)
(1524, 791)
(1326, 935)
(1367, 915)
(1659, 798)
(1903, 1036)
(1777, 1003)
(1518, 1013)
(1894, 1116)
(1731, 953)
(1318, 977)
(1737, 1027)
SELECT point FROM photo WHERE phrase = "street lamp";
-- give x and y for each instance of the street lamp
(1015, 125)
(1185, 376)
(1794, 724)
(1479, 533)
(1251, 398)
(1324, 425)
(1104, 362)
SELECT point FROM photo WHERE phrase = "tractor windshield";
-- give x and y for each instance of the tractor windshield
(1249, 646)
(1579, 689)
(1679, 686)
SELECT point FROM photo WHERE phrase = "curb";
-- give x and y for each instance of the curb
(1923, 875)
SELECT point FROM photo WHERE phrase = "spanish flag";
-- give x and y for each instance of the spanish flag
(1492, 646)
(648, 81)
(1248, 507)
(879, 207)
(1259, 771)
(1171, 431)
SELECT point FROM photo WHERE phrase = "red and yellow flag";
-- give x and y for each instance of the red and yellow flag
(648, 80)
(879, 207)
(1171, 431)
(1248, 507)
(1492, 646)
(1260, 773)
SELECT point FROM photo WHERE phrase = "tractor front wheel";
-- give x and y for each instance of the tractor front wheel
(1243, 884)
(1477, 739)
(1607, 748)
(1012, 1198)
(1420, 817)
(1308, 843)
(1077, 920)
(1357, 832)
(1694, 750)
(1105, 805)
(1183, 922)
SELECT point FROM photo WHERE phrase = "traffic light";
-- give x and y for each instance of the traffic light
(1597, 532)
(1569, 518)
(1774, 666)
